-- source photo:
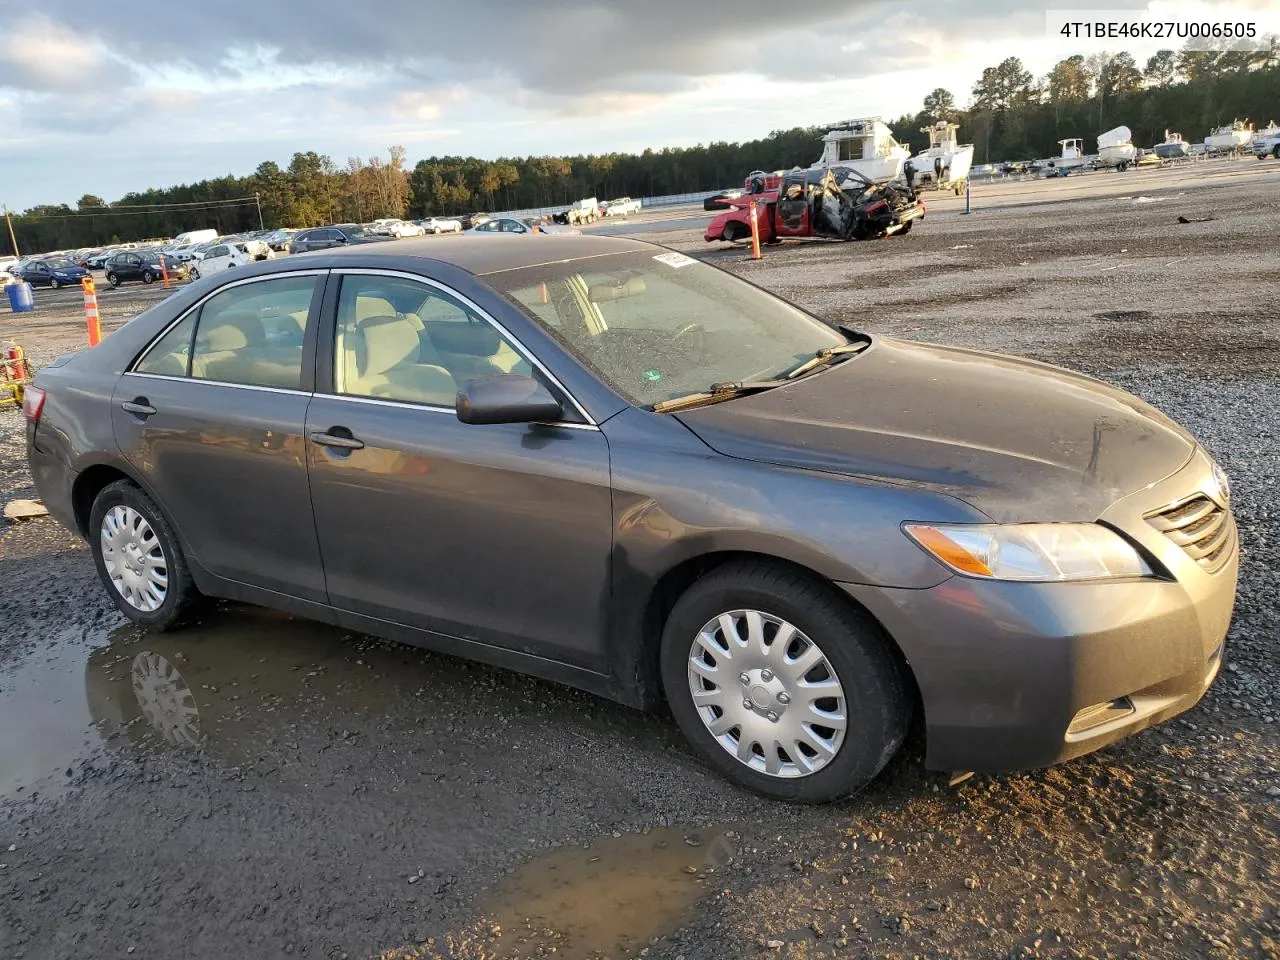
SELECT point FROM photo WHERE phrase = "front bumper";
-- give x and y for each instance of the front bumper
(1017, 676)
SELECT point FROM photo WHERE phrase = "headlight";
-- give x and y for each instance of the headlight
(1038, 552)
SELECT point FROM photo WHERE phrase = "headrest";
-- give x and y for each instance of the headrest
(466, 338)
(384, 342)
(232, 330)
(367, 307)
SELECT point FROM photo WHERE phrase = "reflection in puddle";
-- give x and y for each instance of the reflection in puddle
(226, 686)
(165, 699)
(609, 899)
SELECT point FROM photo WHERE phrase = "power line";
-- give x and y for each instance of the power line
(116, 212)
(192, 203)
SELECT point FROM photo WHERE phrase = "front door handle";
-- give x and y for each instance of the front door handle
(138, 406)
(337, 440)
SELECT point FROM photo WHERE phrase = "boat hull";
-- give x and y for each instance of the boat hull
(1171, 151)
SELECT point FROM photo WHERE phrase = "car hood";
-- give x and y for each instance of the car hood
(1020, 441)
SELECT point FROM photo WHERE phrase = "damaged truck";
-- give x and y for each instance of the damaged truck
(811, 203)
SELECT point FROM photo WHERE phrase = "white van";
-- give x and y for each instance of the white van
(195, 236)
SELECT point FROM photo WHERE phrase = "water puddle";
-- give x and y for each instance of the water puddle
(608, 899)
(45, 722)
(226, 686)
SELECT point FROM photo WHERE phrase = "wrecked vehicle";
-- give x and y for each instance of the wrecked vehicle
(811, 203)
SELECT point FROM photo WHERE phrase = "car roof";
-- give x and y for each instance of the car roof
(493, 254)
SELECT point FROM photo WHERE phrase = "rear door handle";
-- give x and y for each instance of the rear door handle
(337, 440)
(138, 407)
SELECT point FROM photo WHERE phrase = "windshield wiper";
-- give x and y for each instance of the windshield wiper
(738, 388)
(824, 357)
(718, 392)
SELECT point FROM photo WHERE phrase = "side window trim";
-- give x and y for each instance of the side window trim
(327, 344)
(308, 342)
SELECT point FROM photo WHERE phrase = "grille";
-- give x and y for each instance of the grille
(1206, 531)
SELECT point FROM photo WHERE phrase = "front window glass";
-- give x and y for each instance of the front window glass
(659, 326)
(397, 339)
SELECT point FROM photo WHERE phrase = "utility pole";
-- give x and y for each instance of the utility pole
(259, 203)
(12, 239)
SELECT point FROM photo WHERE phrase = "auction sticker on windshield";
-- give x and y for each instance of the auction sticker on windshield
(674, 259)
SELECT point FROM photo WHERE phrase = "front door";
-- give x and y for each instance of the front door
(212, 418)
(499, 534)
(791, 212)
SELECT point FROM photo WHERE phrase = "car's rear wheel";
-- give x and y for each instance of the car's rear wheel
(138, 557)
(782, 686)
(113, 279)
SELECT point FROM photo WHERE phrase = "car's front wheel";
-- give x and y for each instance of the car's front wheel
(146, 276)
(783, 686)
(138, 557)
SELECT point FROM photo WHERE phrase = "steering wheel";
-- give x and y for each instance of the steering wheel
(691, 338)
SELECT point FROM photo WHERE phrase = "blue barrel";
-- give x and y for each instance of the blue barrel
(21, 297)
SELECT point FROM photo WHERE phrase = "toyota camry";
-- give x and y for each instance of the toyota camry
(614, 466)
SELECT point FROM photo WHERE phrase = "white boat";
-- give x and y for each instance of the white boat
(865, 145)
(1173, 148)
(1116, 149)
(945, 163)
(1072, 157)
(1231, 138)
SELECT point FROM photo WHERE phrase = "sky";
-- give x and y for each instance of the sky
(175, 93)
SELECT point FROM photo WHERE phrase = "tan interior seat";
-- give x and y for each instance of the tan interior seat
(232, 347)
(382, 358)
(473, 349)
(368, 306)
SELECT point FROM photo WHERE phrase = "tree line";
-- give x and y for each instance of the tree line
(1011, 115)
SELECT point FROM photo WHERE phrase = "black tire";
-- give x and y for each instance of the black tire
(1275, 151)
(194, 274)
(146, 276)
(181, 596)
(113, 279)
(55, 283)
(878, 706)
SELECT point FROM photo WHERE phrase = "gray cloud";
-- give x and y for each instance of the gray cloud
(562, 48)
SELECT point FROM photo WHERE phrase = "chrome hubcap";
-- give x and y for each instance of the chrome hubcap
(767, 693)
(134, 558)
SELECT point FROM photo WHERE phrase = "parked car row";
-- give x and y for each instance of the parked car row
(198, 253)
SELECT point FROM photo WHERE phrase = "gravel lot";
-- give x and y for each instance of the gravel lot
(271, 787)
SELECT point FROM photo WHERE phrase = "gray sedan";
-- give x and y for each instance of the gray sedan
(608, 464)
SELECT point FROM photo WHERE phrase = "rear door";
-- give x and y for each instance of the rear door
(500, 534)
(212, 418)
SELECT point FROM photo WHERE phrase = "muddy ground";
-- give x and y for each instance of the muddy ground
(263, 786)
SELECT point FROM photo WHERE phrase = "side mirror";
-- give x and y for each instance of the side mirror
(506, 398)
(341, 238)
